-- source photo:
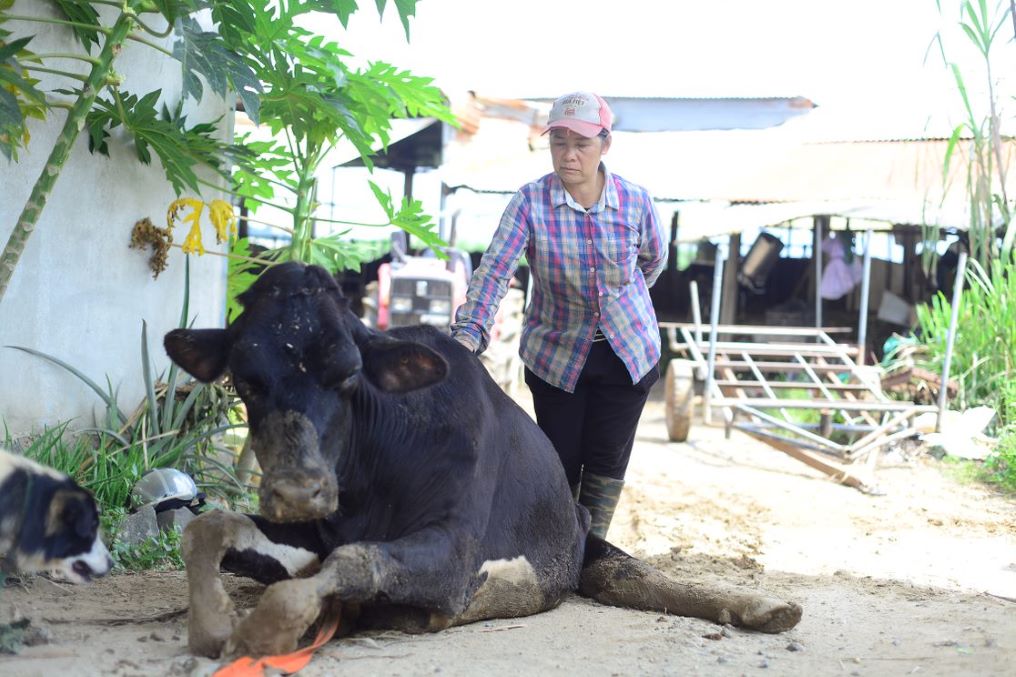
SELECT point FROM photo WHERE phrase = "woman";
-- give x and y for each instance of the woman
(591, 344)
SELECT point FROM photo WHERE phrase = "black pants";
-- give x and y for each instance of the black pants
(594, 427)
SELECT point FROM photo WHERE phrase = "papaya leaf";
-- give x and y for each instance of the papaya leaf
(181, 148)
(81, 12)
(204, 53)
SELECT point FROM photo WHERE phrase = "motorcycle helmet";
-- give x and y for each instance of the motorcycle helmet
(161, 486)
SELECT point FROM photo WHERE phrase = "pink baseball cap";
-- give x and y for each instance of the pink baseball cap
(584, 113)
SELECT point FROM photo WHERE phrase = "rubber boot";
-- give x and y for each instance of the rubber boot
(600, 495)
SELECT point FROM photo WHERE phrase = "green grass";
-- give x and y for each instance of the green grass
(984, 357)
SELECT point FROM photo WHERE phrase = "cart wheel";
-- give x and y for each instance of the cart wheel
(679, 389)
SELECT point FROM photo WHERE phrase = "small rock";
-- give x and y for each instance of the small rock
(142, 638)
(795, 646)
(763, 663)
(36, 636)
(156, 636)
(990, 642)
(174, 519)
(946, 642)
(725, 630)
(139, 526)
(721, 659)
(714, 636)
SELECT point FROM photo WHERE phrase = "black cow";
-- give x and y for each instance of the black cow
(399, 481)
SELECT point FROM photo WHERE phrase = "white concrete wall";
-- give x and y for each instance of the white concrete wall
(78, 292)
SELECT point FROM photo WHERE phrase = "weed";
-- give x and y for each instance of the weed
(160, 552)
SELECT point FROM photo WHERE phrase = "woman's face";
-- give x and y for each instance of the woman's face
(576, 158)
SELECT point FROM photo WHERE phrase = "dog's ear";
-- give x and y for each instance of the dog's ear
(72, 511)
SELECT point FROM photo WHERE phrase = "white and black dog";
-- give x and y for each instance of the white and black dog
(48, 523)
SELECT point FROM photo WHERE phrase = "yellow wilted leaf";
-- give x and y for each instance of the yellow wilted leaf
(191, 243)
(223, 218)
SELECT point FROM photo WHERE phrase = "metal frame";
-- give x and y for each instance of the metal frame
(833, 372)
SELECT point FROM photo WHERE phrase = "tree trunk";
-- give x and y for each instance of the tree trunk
(61, 149)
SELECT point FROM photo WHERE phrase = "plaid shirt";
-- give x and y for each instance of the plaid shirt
(591, 269)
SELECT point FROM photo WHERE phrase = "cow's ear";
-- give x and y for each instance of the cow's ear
(202, 353)
(401, 366)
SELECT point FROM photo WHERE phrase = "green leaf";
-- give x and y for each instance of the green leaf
(407, 9)
(205, 54)
(172, 10)
(343, 9)
(180, 148)
(11, 125)
(949, 150)
(81, 12)
(107, 398)
(146, 372)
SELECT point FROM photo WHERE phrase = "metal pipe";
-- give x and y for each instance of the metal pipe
(816, 253)
(791, 427)
(714, 322)
(862, 321)
(951, 337)
(696, 310)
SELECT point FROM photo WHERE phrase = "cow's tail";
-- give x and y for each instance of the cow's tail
(612, 576)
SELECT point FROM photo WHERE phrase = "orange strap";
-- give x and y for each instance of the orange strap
(246, 666)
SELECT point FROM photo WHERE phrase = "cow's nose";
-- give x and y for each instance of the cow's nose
(297, 493)
(299, 498)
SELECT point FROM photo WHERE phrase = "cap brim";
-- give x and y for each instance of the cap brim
(586, 129)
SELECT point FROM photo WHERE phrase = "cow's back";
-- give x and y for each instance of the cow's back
(512, 486)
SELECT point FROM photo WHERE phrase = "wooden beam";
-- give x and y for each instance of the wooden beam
(833, 470)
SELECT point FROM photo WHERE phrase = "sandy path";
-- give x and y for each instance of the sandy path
(910, 582)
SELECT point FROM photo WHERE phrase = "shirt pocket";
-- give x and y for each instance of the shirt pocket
(620, 250)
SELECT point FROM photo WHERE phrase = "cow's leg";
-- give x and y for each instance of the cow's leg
(428, 570)
(242, 544)
(611, 576)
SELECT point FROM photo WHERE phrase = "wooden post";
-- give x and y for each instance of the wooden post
(728, 307)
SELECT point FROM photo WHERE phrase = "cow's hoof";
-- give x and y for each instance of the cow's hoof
(770, 615)
(278, 622)
(208, 630)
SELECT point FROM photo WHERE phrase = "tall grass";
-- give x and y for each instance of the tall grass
(983, 355)
(985, 349)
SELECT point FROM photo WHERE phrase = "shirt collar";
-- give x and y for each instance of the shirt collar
(608, 198)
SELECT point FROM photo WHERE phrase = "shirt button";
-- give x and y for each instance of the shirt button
(596, 314)
(589, 241)
(593, 269)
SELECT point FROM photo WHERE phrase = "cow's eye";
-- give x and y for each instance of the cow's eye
(344, 383)
(348, 384)
(246, 388)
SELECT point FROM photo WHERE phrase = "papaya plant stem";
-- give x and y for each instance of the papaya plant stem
(151, 31)
(73, 125)
(276, 226)
(58, 22)
(72, 76)
(157, 48)
(227, 255)
(61, 55)
(288, 210)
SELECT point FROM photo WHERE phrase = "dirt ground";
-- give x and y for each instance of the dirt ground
(920, 580)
